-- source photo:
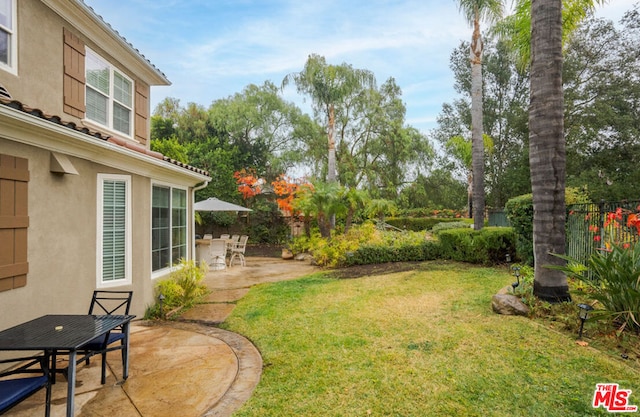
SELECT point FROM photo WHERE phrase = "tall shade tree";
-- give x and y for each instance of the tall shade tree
(328, 85)
(547, 155)
(602, 108)
(475, 11)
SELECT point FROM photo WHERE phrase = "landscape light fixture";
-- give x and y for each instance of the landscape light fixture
(516, 273)
(508, 258)
(584, 315)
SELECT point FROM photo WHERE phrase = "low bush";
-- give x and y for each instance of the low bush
(407, 252)
(614, 283)
(487, 246)
(519, 211)
(449, 225)
(183, 289)
(366, 245)
(419, 223)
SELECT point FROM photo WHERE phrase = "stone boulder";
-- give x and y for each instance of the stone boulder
(508, 304)
(303, 257)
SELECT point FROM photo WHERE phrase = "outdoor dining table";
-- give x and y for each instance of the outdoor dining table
(68, 333)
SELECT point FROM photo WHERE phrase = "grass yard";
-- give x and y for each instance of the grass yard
(416, 343)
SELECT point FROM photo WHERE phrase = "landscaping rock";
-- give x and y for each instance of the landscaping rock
(506, 290)
(303, 257)
(286, 254)
(509, 305)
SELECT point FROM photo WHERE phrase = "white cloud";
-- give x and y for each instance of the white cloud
(213, 49)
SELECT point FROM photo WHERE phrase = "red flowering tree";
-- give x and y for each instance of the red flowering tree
(285, 188)
(248, 183)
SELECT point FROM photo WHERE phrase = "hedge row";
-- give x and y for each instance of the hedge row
(487, 246)
(416, 224)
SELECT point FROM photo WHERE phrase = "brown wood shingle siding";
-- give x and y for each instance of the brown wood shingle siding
(142, 112)
(74, 75)
(14, 221)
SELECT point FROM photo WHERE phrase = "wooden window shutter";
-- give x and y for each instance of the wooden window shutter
(142, 112)
(74, 75)
(14, 222)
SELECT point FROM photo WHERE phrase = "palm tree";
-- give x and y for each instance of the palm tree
(547, 156)
(354, 199)
(474, 11)
(546, 23)
(460, 149)
(328, 85)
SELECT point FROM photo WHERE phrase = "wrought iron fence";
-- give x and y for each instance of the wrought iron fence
(591, 227)
(498, 218)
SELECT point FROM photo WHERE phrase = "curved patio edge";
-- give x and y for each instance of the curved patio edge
(249, 367)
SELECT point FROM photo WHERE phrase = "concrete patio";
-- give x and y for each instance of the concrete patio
(187, 368)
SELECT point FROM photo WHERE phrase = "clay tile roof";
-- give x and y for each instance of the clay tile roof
(132, 146)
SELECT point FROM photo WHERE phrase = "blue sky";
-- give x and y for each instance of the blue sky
(212, 49)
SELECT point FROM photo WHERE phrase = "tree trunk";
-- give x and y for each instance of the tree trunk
(477, 144)
(547, 157)
(470, 195)
(331, 172)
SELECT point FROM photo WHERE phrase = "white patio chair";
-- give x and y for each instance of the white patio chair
(237, 251)
(217, 254)
(208, 236)
(230, 243)
(225, 237)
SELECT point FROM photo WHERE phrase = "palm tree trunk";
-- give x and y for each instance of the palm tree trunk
(547, 157)
(477, 144)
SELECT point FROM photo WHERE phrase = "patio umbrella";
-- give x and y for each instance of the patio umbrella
(214, 204)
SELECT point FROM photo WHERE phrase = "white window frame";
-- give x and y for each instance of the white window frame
(12, 65)
(111, 101)
(163, 271)
(127, 279)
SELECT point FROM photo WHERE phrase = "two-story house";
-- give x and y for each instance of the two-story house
(84, 203)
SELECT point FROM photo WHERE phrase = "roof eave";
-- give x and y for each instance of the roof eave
(84, 19)
(24, 128)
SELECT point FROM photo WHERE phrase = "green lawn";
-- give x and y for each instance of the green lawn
(417, 343)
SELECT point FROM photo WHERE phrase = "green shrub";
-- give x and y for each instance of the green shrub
(457, 245)
(366, 245)
(431, 212)
(615, 283)
(419, 223)
(487, 246)
(519, 211)
(409, 252)
(449, 225)
(183, 289)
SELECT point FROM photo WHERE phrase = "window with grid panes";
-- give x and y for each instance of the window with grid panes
(169, 226)
(8, 41)
(109, 95)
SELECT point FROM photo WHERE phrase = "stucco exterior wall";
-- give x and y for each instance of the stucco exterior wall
(39, 82)
(39, 78)
(62, 231)
(62, 240)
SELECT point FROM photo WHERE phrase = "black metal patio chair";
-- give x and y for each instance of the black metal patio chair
(107, 303)
(104, 302)
(25, 379)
